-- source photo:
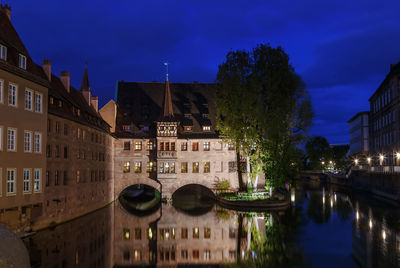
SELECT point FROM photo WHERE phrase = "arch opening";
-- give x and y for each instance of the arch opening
(140, 199)
(193, 199)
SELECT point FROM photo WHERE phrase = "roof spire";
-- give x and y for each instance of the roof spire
(85, 80)
(167, 109)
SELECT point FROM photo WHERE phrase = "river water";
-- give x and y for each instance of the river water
(325, 227)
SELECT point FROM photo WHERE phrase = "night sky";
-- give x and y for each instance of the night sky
(342, 49)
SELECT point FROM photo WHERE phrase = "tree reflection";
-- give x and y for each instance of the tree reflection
(318, 209)
(275, 248)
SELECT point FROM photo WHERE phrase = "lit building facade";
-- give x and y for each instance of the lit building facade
(359, 135)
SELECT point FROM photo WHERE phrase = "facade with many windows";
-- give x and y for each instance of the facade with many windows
(165, 135)
(23, 117)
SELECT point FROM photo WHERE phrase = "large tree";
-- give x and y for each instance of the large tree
(263, 106)
(319, 152)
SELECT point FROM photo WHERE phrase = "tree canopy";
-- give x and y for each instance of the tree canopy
(264, 107)
(318, 151)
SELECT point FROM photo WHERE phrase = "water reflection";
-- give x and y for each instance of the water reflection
(354, 229)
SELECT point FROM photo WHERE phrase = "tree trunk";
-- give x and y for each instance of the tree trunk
(240, 175)
(248, 169)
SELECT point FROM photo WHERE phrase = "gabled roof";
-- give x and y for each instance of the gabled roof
(140, 105)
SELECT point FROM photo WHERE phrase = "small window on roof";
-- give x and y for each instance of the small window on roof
(3, 52)
(206, 128)
(188, 128)
(22, 61)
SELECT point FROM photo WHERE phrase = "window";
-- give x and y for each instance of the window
(47, 178)
(184, 167)
(48, 150)
(206, 167)
(231, 166)
(172, 146)
(184, 233)
(207, 232)
(187, 128)
(11, 181)
(3, 52)
(161, 167)
(138, 234)
(37, 180)
(137, 255)
(149, 145)
(65, 152)
(1, 140)
(161, 146)
(196, 254)
(78, 176)
(150, 234)
(231, 147)
(196, 232)
(126, 127)
(12, 95)
(126, 234)
(59, 104)
(195, 167)
(184, 146)
(27, 180)
(149, 167)
(206, 146)
(207, 255)
(232, 233)
(232, 254)
(195, 146)
(11, 139)
(38, 102)
(127, 167)
(167, 146)
(28, 142)
(138, 167)
(65, 177)
(56, 180)
(22, 61)
(38, 143)
(127, 146)
(28, 100)
(184, 254)
(57, 127)
(51, 100)
(138, 146)
(206, 128)
(172, 168)
(1, 91)
(166, 167)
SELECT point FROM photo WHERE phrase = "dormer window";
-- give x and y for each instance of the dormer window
(22, 62)
(188, 128)
(206, 128)
(3, 52)
(126, 127)
(187, 115)
(205, 115)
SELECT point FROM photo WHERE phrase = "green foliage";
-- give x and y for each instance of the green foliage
(318, 150)
(223, 214)
(263, 106)
(223, 185)
(340, 156)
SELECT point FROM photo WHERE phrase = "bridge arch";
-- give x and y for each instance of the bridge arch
(140, 199)
(122, 184)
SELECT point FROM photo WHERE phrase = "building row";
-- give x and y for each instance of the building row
(374, 134)
(62, 157)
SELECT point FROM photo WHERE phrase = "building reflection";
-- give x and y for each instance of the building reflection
(170, 237)
(85, 242)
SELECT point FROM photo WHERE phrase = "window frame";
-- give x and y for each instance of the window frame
(14, 86)
(206, 146)
(27, 180)
(197, 170)
(37, 181)
(13, 182)
(14, 149)
(22, 61)
(1, 91)
(39, 151)
(1, 138)
(37, 94)
(27, 90)
(30, 141)
(3, 52)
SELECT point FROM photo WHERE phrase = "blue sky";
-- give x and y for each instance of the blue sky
(342, 49)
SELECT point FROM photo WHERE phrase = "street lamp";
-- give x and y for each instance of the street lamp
(381, 157)
(356, 161)
(369, 160)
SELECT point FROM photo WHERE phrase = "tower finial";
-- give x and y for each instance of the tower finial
(166, 66)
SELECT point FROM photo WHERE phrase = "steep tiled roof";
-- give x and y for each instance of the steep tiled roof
(141, 104)
(10, 38)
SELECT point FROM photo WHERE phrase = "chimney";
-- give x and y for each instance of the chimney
(6, 9)
(95, 103)
(65, 79)
(46, 65)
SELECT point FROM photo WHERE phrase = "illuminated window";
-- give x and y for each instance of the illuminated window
(127, 234)
(206, 167)
(126, 127)
(149, 145)
(138, 234)
(196, 254)
(195, 167)
(138, 167)
(196, 232)
(137, 255)
(127, 146)
(206, 128)
(184, 146)
(60, 104)
(195, 146)
(231, 147)
(150, 234)
(184, 167)
(161, 167)
(207, 255)
(184, 233)
(78, 176)
(187, 128)
(206, 146)
(207, 232)
(127, 167)
(37, 179)
(149, 167)
(138, 146)
(167, 146)
(51, 100)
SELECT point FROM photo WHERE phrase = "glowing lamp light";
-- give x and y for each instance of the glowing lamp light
(383, 234)
(357, 215)
(397, 155)
(323, 199)
(331, 203)
(323, 163)
(330, 162)
(356, 161)
(381, 157)
(335, 197)
(370, 224)
(369, 160)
